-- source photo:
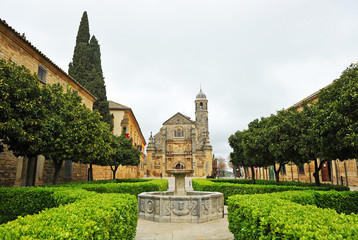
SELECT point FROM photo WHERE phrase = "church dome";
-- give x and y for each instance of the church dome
(200, 95)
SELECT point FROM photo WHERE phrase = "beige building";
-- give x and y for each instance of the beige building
(124, 122)
(182, 143)
(14, 171)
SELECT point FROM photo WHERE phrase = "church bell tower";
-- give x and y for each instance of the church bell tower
(201, 119)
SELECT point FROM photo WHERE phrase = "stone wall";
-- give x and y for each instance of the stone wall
(105, 172)
(79, 173)
(8, 167)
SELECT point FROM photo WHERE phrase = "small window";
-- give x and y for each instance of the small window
(301, 169)
(201, 105)
(124, 131)
(42, 74)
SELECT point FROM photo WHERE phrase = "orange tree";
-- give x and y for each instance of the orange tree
(22, 113)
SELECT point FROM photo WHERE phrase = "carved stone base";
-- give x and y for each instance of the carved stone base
(195, 207)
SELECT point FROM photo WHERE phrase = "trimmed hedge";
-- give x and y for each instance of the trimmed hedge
(342, 202)
(102, 216)
(74, 210)
(269, 216)
(230, 189)
(16, 202)
(130, 186)
(323, 186)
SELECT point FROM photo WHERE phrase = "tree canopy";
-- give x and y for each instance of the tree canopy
(326, 129)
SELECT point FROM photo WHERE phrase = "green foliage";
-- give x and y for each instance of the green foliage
(21, 110)
(102, 216)
(130, 186)
(124, 153)
(342, 202)
(71, 131)
(269, 216)
(16, 202)
(326, 129)
(46, 121)
(325, 186)
(232, 187)
(96, 84)
(86, 68)
(80, 65)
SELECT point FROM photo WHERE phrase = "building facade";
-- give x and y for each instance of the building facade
(13, 170)
(182, 143)
(124, 122)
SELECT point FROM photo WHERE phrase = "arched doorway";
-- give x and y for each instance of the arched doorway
(179, 166)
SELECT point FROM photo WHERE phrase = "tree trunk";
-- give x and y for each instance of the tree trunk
(114, 170)
(317, 168)
(253, 174)
(277, 174)
(58, 167)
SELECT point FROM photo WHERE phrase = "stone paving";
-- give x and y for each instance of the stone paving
(213, 230)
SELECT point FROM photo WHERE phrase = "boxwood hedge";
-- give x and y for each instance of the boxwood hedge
(324, 186)
(342, 202)
(102, 216)
(130, 186)
(275, 216)
(228, 188)
(74, 210)
(16, 202)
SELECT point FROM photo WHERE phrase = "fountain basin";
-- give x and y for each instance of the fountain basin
(195, 207)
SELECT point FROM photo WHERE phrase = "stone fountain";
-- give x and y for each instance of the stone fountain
(181, 206)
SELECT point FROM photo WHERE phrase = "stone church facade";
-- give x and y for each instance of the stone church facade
(182, 143)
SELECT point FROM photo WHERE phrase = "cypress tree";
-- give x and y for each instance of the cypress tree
(80, 66)
(86, 68)
(97, 85)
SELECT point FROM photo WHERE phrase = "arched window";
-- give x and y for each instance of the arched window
(179, 166)
(179, 132)
(201, 105)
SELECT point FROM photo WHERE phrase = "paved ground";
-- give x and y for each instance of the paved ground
(213, 230)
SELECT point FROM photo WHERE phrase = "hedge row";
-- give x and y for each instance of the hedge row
(16, 202)
(230, 189)
(342, 202)
(101, 216)
(130, 186)
(269, 216)
(324, 186)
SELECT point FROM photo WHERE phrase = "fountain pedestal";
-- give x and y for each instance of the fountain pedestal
(179, 175)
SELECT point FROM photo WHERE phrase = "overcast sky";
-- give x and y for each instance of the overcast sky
(251, 58)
